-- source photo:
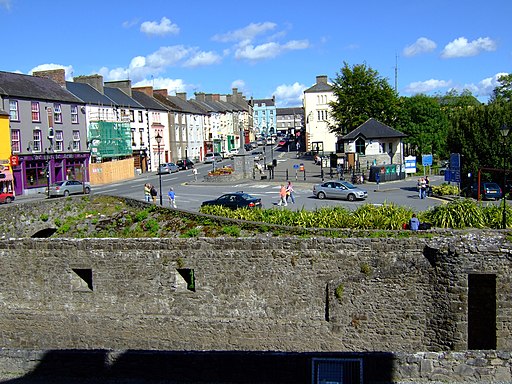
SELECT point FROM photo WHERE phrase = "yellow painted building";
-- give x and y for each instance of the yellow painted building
(6, 178)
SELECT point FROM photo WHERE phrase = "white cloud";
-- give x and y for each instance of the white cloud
(130, 23)
(268, 50)
(168, 56)
(461, 47)
(172, 85)
(427, 86)
(247, 33)
(239, 84)
(203, 58)
(289, 95)
(6, 4)
(422, 45)
(165, 27)
(45, 67)
(485, 87)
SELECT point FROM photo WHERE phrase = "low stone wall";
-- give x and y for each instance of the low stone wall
(111, 366)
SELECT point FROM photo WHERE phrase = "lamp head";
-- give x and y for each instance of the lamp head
(158, 138)
(504, 130)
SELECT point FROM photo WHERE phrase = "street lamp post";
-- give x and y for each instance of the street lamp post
(504, 132)
(158, 139)
(47, 158)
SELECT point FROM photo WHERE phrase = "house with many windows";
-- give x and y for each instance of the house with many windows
(264, 116)
(318, 118)
(48, 131)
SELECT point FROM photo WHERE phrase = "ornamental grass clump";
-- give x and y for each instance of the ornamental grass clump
(457, 214)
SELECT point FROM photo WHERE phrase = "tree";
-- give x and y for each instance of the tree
(503, 92)
(475, 134)
(361, 94)
(452, 99)
(423, 120)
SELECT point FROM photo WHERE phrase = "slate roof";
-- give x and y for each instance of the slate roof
(259, 102)
(148, 101)
(319, 87)
(290, 111)
(373, 129)
(184, 105)
(120, 98)
(88, 94)
(32, 87)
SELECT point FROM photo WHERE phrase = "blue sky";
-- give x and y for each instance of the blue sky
(263, 48)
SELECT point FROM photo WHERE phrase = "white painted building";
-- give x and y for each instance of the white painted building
(318, 117)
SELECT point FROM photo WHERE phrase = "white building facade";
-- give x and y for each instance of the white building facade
(318, 117)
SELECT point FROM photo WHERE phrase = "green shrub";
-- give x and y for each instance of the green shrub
(44, 217)
(338, 292)
(231, 230)
(141, 215)
(193, 232)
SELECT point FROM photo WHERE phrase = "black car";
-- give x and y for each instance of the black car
(235, 200)
(185, 164)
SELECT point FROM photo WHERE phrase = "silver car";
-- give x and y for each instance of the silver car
(168, 168)
(339, 190)
(68, 187)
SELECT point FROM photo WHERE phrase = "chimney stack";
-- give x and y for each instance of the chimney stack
(57, 75)
(95, 81)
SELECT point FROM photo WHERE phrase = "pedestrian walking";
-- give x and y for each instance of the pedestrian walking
(282, 196)
(172, 197)
(147, 192)
(422, 188)
(153, 192)
(194, 172)
(290, 192)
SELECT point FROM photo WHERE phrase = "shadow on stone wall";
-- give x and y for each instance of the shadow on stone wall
(100, 366)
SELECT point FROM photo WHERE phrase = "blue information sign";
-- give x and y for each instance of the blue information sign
(426, 160)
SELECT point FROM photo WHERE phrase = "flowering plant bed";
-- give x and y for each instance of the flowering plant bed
(221, 171)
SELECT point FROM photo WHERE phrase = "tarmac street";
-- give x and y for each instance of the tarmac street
(190, 193)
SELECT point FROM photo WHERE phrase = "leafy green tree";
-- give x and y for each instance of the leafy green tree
(453, 99)
(423, 120)
(503, 92)
(475, 134)
(361, 94)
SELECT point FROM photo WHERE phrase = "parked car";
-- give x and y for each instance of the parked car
(168, 168)
(235, 200)
(68, 187)
(210, 157)
(185, 164)
(339, 190)
(6, 197)
(233, 152)
(488, 191)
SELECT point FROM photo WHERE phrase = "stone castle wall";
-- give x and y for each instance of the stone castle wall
(286, 295)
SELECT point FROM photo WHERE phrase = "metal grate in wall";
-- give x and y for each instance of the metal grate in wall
(337, 371)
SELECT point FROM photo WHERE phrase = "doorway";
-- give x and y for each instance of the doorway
(481, 311)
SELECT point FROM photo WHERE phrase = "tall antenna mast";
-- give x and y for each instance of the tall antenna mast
(396, 72)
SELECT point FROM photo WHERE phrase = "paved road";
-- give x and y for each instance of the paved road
(190, 194)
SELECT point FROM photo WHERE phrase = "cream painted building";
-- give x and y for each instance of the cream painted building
(318, 117)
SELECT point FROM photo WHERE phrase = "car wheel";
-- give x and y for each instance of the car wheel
(321, 195)
(8, 200)
(351, 197)
(66, 193)
(87, 190)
